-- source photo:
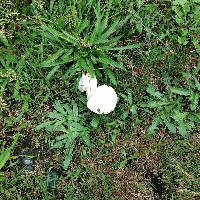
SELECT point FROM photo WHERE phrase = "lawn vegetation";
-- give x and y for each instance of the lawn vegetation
(52, 146)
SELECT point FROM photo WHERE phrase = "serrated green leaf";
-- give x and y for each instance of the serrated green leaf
(64, 116)
(169, 124)
(58, 144)
(180, 91)
(67, 108)
(86, 139)
(60, 141)
(3, 39)
(125, 115)
(61, 137)
(197, 84)
(77, 127)
(58, 127)
(154, 104)
(52, 72)
(152, 91)
(94, 59)
(154, 125)
(180, 118)
(180, 2)
(194, 101)
(182, 129)
(55, 115)
(130, 98)
(133, 109)
(104, 23)
(111, 75)
(61, 108)
(95, 122)
(75, 110)
(68, 156)
(83, 64)
(43, 125)
(195, 117)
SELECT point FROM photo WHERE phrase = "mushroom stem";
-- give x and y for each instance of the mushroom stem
(88, 84)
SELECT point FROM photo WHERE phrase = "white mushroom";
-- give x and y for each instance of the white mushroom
(102, 99)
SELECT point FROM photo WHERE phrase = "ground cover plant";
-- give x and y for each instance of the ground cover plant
(52, 146)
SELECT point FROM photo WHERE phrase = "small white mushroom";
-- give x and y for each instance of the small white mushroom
(102, 99)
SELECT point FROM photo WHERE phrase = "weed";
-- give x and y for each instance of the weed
(187, 17)
(86, 44)
(5, 155)
(178, 108)
(68, 121)
(148, 50)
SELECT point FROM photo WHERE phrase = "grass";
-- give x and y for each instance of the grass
(40, 64)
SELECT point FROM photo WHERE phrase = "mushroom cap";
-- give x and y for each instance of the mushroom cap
(103, 101)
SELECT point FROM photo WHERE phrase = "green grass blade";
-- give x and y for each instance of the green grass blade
(48, 62)
(124, 21)
(83, 25)
(83, 64)
(128, 47)
(104, 24)
(51, 5)
(90, 65)
(108, 43)
(52, 72)
(5, 155)
(64, 35)
(103, 58)
(97, 26)
(110, 31)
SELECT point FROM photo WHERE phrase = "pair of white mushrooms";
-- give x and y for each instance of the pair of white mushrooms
(101, 99)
